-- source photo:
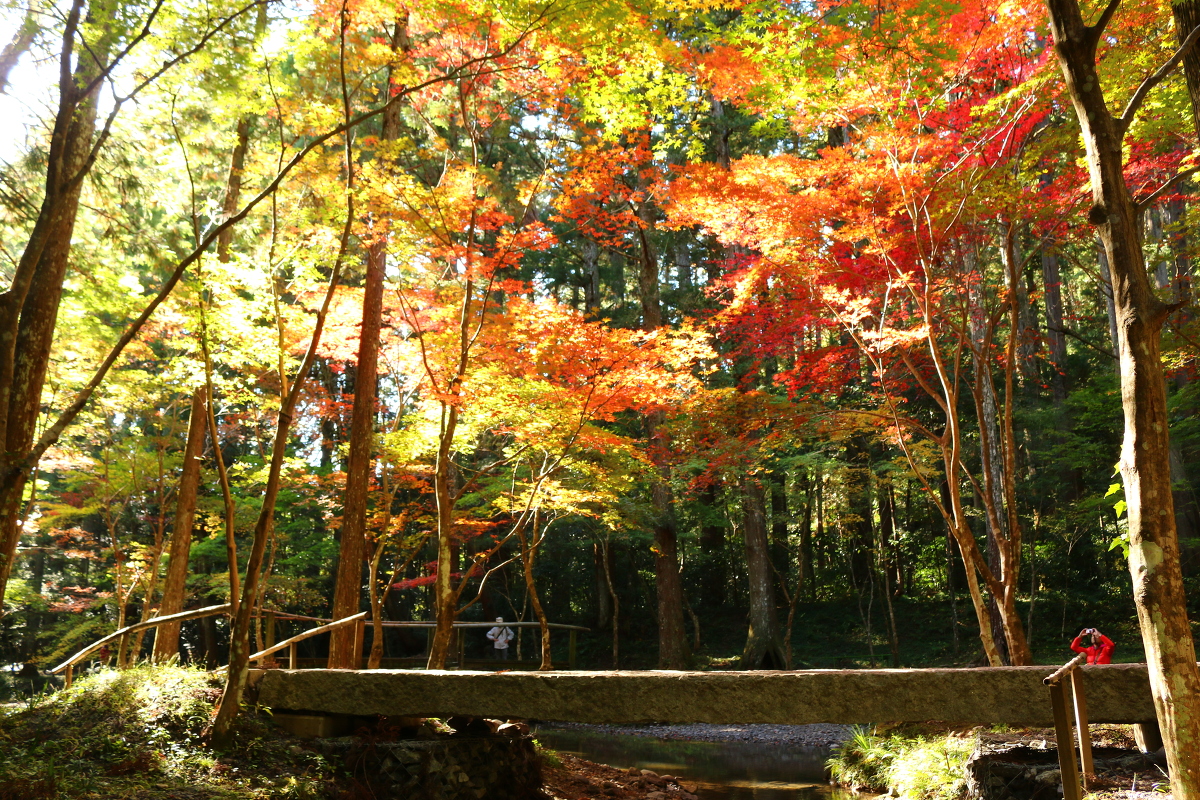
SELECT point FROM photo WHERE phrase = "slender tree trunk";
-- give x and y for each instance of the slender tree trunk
(603, 598)
(616, 604)
(166, 637)
(887, 534)
(528, 553)
(1145, 456)
(239, 635)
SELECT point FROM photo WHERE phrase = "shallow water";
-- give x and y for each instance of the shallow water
(721, 770)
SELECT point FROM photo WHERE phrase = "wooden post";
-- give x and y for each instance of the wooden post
(571, 651)
(1081, 723)
(123, 652)
(1066, 742)
(292, 656)
(360, 635)
(270, 629)
(70, 670)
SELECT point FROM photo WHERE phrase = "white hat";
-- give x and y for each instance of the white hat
(499, 619)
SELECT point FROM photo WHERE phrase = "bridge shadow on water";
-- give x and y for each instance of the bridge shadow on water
(721, 770)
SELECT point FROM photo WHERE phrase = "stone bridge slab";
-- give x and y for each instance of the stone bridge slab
(1117, 693)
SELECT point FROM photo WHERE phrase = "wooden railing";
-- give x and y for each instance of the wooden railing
(292, 642)
(1072, 789)
(360, 634)
(123, 635)
(358, 620)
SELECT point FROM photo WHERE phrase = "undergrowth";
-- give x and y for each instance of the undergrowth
(910, 766)
(137, 734)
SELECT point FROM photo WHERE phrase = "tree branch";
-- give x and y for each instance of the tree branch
(1139, 96)
(1096, 29)
(1146, 201)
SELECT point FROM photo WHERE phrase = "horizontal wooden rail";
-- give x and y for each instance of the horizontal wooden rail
(195, 613)
(558, 626)
(1064, 670)
(261, 654)
(282, 615)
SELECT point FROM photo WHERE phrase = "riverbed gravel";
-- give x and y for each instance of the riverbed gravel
(818, 735)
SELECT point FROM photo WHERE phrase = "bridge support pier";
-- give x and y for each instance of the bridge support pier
(1148, 737)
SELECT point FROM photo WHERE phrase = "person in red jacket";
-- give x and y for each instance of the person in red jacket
(1100, 649)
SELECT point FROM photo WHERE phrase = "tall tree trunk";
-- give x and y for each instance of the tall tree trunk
(1055, 333)
(887, 534)
(601, 569)
(763, 648)
(672, 635)
(166, 637)
(29, 308)
(714, 574)
(591, 278)
(1187, 18)
(354, 545)
(1145, 455)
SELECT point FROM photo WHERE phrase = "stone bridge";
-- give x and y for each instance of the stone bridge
(1116, 693)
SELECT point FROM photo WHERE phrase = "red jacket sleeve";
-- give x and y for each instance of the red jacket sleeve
(1076, 646)
(1106, 648)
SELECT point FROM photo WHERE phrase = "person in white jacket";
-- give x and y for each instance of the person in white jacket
(500, 636)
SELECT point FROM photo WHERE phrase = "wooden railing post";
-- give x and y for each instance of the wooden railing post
(292, 656)
(360, 635)
(123, 652)
(1066, 742)
(270, 629)
(1081, 725)
(70, 673)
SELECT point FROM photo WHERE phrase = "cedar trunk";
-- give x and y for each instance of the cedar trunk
(763, 649)
(354, 549)
(354, 545)
(1145, 453)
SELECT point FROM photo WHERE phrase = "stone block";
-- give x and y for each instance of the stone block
(1117, 693)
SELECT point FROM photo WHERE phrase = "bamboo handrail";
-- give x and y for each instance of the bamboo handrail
(1064, 670)
(195, 613)
(261, 654)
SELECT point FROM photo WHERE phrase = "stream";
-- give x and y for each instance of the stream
(721, 770)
